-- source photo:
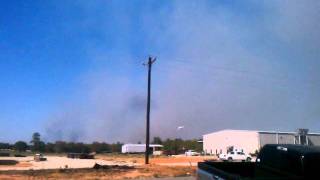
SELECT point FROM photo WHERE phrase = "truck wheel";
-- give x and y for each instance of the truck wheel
(230, 159)
(248, 159)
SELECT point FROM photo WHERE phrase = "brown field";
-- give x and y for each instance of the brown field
(113, 173)
(179, 160)
(159, 167)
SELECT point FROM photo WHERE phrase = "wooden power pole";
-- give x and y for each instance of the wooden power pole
(149, 64)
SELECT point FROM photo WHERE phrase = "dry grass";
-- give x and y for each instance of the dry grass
(155, 169)
(167, 171)
(156, 159)
(105, 174)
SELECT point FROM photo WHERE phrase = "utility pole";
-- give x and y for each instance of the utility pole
(149, 64)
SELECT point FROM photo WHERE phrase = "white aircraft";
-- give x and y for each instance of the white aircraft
(180, 127)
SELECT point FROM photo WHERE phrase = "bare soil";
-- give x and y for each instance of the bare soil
(158, 160)
(105, 174)
(162, 166)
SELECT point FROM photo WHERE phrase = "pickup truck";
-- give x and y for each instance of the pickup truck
(191, 153)
(274, 162)
(235, 156)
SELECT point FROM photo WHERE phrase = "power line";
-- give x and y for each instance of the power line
(192, 67)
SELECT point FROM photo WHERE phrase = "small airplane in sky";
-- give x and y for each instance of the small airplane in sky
(180, 127)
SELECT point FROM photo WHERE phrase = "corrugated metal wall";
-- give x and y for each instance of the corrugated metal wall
(267, 138)
(286, 138)
(314, 140)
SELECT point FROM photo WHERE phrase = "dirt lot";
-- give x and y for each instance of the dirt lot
(112, 173)
(64, 174)
(179, 160)
(128, 167)
(56, 162)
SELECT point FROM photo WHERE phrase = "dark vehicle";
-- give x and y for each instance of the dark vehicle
(274, 162)
(4, 154)
(7, 162)
(19, 155)
(80, 156)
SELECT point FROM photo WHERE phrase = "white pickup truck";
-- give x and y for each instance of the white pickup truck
(235, 156)
(191, 153)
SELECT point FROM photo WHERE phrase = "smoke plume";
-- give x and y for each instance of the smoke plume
(242, 66)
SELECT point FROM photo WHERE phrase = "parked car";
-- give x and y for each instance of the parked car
(235, 156)
(191, 153)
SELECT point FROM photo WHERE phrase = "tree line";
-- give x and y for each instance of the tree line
(37, 145)
(171, 146)
(178, 146)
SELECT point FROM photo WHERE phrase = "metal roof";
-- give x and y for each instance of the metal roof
(231, 130)
(269, 132)
(283, 132)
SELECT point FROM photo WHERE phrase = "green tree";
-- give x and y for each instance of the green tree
(99, 147)
(178, 146)
(173, 146)
(20, 146)
(5, 146)
(37, 144)
(35, 137)
(77, 147)
(60, 146)
(116, 147)
(50, 147)
(157, 140)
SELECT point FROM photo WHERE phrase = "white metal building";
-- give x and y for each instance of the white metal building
(250, 141)
(155, 149)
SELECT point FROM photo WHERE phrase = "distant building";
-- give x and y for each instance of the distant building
(155, 149)
(250, 141)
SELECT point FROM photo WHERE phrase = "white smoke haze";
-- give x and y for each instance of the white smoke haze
(217, 68)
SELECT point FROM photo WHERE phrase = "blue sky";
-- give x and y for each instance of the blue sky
(40, 60)
(72, 69)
